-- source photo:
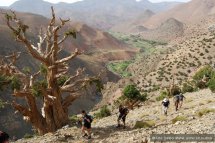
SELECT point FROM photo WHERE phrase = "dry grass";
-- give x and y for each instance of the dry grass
(144, 124)
(179, 118)
(205, 111)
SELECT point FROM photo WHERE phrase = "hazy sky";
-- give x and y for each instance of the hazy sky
(9, 2)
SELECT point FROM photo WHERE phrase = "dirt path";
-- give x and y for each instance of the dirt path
(105, 131)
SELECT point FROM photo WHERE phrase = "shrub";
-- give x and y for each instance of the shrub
(207, 70)
(104, 112)
(132, 93)
(163, 95)
(176, 90)
(211, 84)
(28, 136)
(201, 84)
(205, 111)
(186, 87)
(132, 96)
(179, 118)
(73, 119)
(144, 124)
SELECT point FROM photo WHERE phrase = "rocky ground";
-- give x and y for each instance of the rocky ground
(197, 116)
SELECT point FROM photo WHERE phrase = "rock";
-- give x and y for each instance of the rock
(178, 123)
(65, 127)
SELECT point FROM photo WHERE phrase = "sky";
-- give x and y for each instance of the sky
(9, 2)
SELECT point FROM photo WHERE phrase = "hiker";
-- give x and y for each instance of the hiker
(86, 124)
(176, 100)
(165, 104)
(4, 137)
(181, 99)
(123, 111)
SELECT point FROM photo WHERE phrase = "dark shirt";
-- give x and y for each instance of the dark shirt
(165, 103)
(123, 111)
(86, 118)
(181, 97)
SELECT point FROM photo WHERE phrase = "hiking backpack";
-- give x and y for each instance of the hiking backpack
(90, 117)
(177, 98)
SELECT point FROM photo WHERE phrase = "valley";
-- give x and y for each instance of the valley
(162, 49)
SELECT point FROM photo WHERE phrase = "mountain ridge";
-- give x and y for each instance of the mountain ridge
(98, 14)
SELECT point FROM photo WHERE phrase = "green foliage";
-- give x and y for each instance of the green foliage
(36, 88)
(8, 17)
(98, 83)
(187, 87)
(211, 84)
(62, 80)
(3, 81)
(205, 111)
(210, 73)
(120, 68)
(26, 70)
(144, 124)
(143, 97)
(15, 83)
(163, 95)
(71, 32)
(131, 92)
(73, 119)
(43, 69)
(179, 118)
(207, 70)
(138, 42)
(104, 112)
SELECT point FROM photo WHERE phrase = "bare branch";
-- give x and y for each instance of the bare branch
(78, 73)
(19, 32)
(52, 22)
(63, 39)
(21, 93)
(23, 110)
(72, 56)
(69, 99)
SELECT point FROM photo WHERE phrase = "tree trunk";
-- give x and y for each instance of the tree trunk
(55, 116)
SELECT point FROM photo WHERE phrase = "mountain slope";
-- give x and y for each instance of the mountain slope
(104, 130)
(190, 12)
(169, 30)
(101, 14)
(134, 25)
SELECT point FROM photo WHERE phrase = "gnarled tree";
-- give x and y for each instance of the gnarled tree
(51, 81)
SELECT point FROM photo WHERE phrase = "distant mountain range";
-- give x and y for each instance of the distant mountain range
(191, 12)
(102, 14)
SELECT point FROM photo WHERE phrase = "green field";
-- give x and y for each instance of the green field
(146, 47)
(120, 68)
